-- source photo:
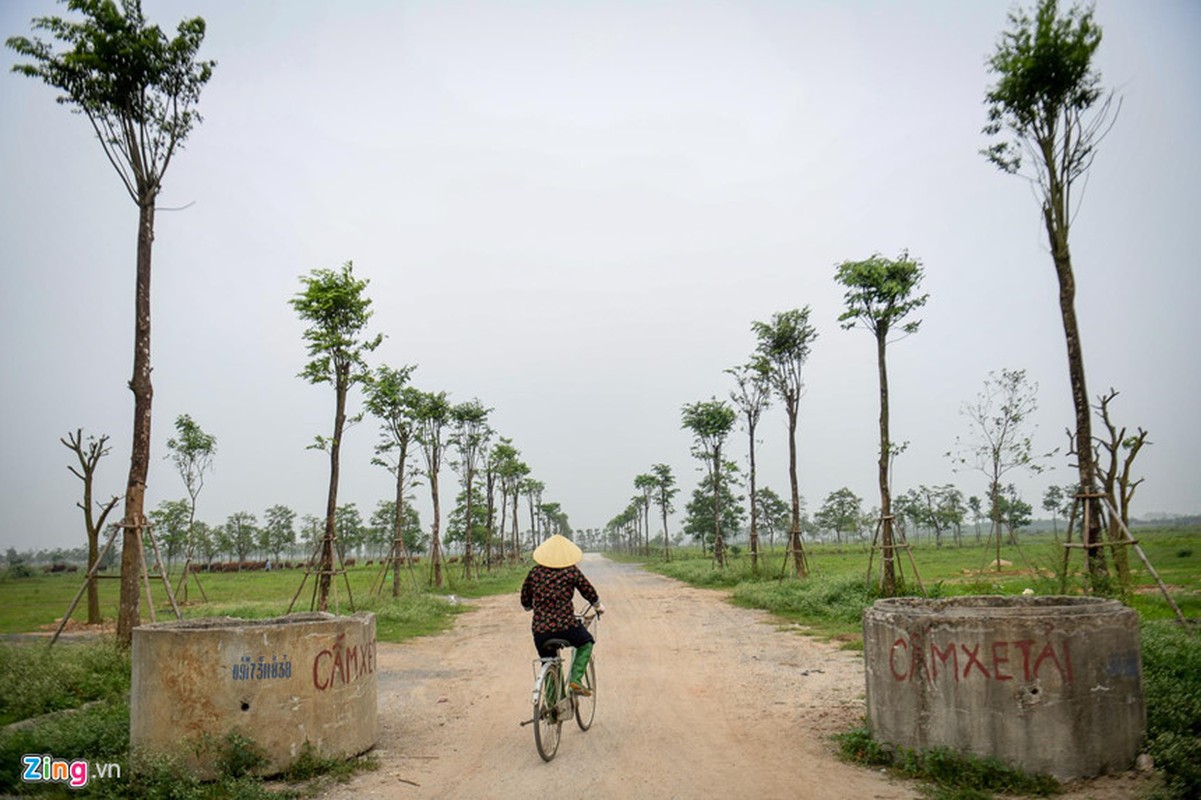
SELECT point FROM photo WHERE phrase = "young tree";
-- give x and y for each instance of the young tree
(469, 435)
(192, 452)
(998, 442)
(880, 295)
(241, 528)
(351, 532)
(384, 517)
(1048, 107)
(171, 522)
(975, 505)
(646, 483)
(1115, 456)
(392, 401)
(840, 513)
(88, 461)
(532, 489)
(773, 512)
(279, 530)
(509, 471)
(1016, 513)
(336, 308)
(138, 89)
(1052, 503)
(664, 490)
(699, 521)
(784, 343)
(710, 422)
(432, 414)
(751, 397)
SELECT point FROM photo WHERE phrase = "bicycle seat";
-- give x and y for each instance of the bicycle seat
(556, 644)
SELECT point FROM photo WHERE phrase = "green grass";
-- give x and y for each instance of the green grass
(90, 681)
(36, 603)
(949, 774)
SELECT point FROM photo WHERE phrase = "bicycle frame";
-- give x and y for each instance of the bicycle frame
(551, 699)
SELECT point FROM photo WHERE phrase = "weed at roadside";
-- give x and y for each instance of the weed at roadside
(952, 775)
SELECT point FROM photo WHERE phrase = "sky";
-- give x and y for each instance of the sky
(573, 211)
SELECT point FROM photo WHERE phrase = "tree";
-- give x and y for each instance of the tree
(998, 442)
(469, 435)
(773, 512)
(351, 532)
(241, 528)
(710, 422)
(703, 520)
(1048, 107)
(532, 489)
(840, 512)
(192, 452)
(646, 483)
(1016, 513)
(457, 528)
(88, 461)
(509, 471)
(393, 402)
(138, 89)
(431, 413)
(279, 529)
(1052, 502)
(384, 517)
(1115, 456)
(751, 397)
(977, 508)
(664, 491)
(172, 522)
(880, 294)
(334, 305)
(784, 343)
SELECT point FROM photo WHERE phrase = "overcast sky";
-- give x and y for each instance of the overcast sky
(573, 211)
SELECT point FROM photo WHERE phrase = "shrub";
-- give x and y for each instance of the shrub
(1172, 690)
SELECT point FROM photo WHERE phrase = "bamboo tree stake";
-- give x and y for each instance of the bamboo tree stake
(112, 536)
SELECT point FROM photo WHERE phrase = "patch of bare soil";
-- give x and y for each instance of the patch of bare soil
(696, 699)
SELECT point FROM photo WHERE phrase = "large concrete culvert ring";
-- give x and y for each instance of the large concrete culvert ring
(283, 683)
(1050, 684)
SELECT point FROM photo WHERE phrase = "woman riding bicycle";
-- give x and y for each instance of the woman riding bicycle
(548, 591)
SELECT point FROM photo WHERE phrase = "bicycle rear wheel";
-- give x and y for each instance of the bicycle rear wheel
(547, 724)
(585, 707)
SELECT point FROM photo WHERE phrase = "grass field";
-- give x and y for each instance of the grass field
(831, 601)
(37, 603)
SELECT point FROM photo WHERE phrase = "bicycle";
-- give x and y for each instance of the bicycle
(553, 701)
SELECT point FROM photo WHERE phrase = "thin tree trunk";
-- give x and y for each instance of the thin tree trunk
(886, 531)
(468, 525)
(129, 616)
(326, 568)
(400, 551)
(719, 548)
(435, 536)
(794, 529)
(1057, 223)
(754, 506)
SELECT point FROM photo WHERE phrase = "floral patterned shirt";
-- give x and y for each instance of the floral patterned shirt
(550, 592)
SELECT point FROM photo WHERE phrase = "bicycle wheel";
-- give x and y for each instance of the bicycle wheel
(547, 725)
(585, 707)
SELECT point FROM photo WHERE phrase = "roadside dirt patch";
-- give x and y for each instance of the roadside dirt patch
(696, 699)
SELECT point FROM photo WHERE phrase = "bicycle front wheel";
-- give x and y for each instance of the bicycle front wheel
(547, 724)
(585, 707)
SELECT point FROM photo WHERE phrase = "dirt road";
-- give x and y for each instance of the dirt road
(697, 699)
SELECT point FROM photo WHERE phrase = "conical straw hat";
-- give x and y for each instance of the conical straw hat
(558, 551)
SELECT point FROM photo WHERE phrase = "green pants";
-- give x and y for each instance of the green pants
(579, 662)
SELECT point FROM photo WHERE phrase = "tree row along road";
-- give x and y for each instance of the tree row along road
(696, 698)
